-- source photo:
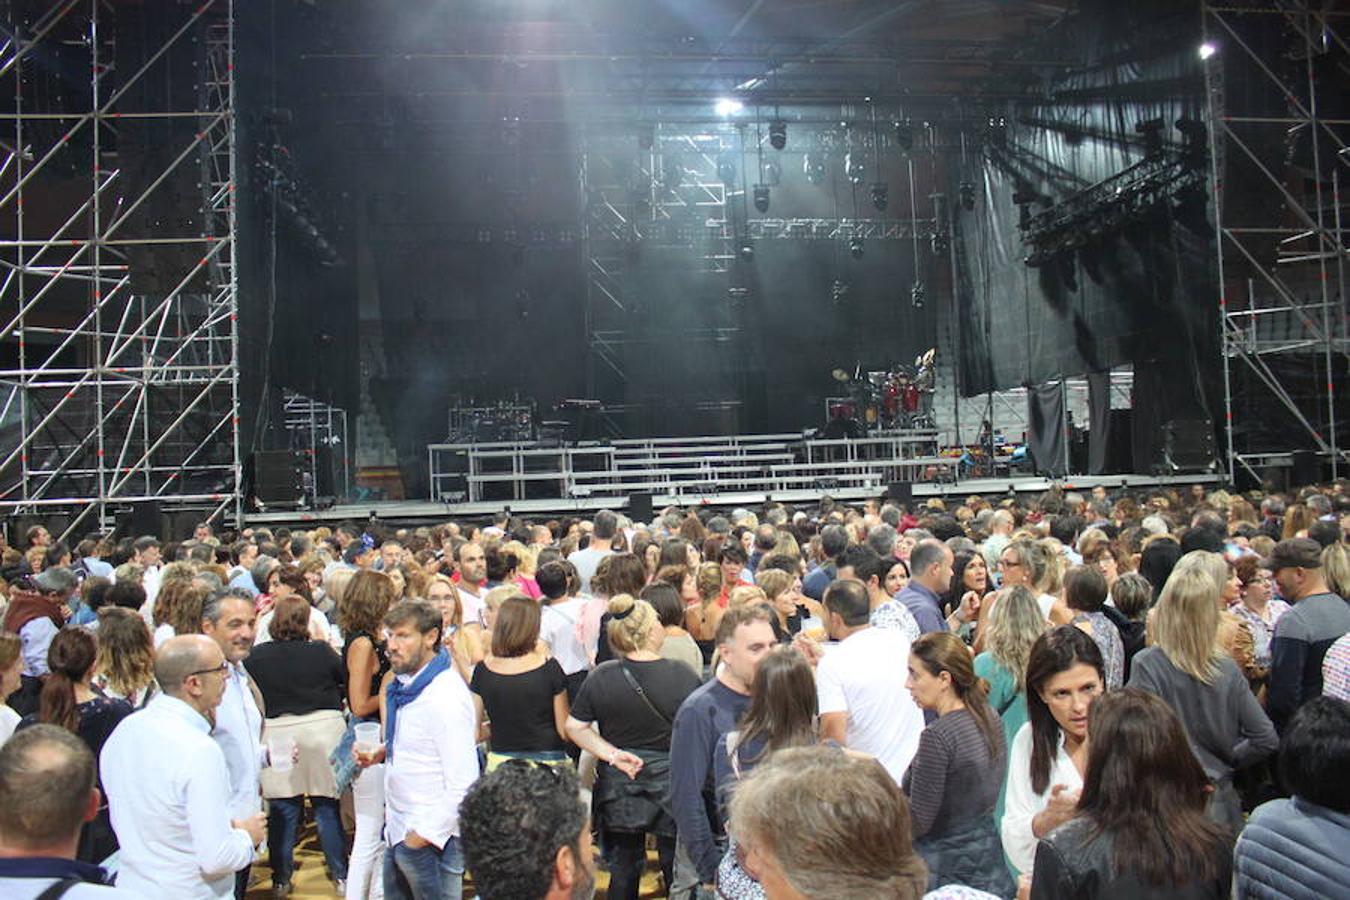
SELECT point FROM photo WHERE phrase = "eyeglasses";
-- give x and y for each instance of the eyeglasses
(220, 669)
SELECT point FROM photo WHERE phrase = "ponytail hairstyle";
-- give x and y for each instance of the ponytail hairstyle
(69, 659)
(630, 623)
(941, 651)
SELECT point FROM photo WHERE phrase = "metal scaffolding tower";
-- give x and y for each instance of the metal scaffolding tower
(119, 376)
(1280, 165)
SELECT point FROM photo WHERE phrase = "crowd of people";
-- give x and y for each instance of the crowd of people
(1108, 694)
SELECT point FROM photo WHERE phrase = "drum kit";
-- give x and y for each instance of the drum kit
(898, 397)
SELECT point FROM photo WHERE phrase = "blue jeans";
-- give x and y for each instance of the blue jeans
(425, 873)
(284, 817)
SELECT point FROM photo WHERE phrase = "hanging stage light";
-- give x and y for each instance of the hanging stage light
(778, 134)
(879, 195)
(917, 295)
(762, 197)
(814, 166)
(855, 247)
(746, 251)
(967, 191)
(726, 168)
(853, 168)
(773, 173)
(940, 243)
(904, 136)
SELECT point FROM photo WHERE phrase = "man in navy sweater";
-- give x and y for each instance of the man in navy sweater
(744, 636)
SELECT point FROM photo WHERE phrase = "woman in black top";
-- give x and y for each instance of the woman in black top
(953, 783)
(1141, 829)
(633, 700)
(360, 610)
(520, 694)
(301, 681)
(70, 701)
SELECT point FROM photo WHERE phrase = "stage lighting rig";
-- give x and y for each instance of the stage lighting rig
(940, 243)
(880, 195)
(746, 251)
(904, 136)
(917, 295)
(838, 291)
(778, 134)
(855, 247)
(813, 164)
(762, 197)
(853, 168)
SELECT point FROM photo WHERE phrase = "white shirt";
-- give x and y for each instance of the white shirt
(238, 733)
(471, 606)
(35, 639)
(558, 629)
(1021, 803)
(9, 720)
(162, 634)
(864, 676)
(168, 794)
(434, 761)
(586, 562)
(318, 626)
(1045, 602)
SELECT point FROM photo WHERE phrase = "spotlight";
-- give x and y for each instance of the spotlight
(778, 134)
(967, 191)
(728, 106)
(855, 247)
(814, 166)
(904, 136)
(838, 291)
(746, 251)
(1151, 129)
(1208, 49)
(853, 168)
(762, 197)
(879, 195)
(940, 243)
(917, 295)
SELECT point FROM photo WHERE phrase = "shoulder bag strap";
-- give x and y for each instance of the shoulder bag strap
(58, 889)
(633, 683)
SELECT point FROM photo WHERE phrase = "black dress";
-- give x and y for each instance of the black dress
(96, 720)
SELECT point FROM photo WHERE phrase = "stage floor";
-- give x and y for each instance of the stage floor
(426, 512)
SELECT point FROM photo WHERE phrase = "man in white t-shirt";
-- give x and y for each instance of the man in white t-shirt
(472, 581)
(860, 682)
(558, 625)
(601, 545)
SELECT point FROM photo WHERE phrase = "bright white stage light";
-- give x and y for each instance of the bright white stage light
(728, 106)
(1207, 50)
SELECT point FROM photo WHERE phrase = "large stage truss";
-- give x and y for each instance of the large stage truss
(1282, 269)
(119, 379)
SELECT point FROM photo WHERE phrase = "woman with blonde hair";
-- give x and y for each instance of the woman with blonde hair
(465, 642)
(526, 562)
(632, 700)
(125, 666)
(1336, 565)
(1185, 667)
(11, 667)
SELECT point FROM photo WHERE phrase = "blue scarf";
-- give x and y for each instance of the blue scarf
(399, 694)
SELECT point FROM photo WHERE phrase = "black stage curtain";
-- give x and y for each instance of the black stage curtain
(1143, 292)
(1046, 428)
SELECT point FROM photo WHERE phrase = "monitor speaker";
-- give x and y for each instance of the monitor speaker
(640, 507)
(900, 492)
(1189, 445)
(277, 477)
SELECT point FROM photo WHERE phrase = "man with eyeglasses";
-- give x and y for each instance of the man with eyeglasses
(168, 787)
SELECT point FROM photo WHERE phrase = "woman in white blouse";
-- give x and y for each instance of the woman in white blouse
(1049, 754)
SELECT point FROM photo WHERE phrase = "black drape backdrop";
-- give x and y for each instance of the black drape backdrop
(1145, 293)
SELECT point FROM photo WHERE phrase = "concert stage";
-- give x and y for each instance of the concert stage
(476, 480)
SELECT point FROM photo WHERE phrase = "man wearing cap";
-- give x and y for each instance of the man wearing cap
(36, 615)
(1302, 635)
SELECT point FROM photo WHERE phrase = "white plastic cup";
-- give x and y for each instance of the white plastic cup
(280, 750)
(367, 737)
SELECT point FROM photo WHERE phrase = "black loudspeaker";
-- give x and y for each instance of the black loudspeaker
(640, 507)
(1305, 469)
(900, 493)
(277, 477)
(1189, 445)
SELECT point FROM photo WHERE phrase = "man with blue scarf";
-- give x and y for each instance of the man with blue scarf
(429, 757)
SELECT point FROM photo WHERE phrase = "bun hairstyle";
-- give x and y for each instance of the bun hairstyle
(630, 623)
(941, 651)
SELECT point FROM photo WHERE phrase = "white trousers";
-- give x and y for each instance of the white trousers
(365, 869)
